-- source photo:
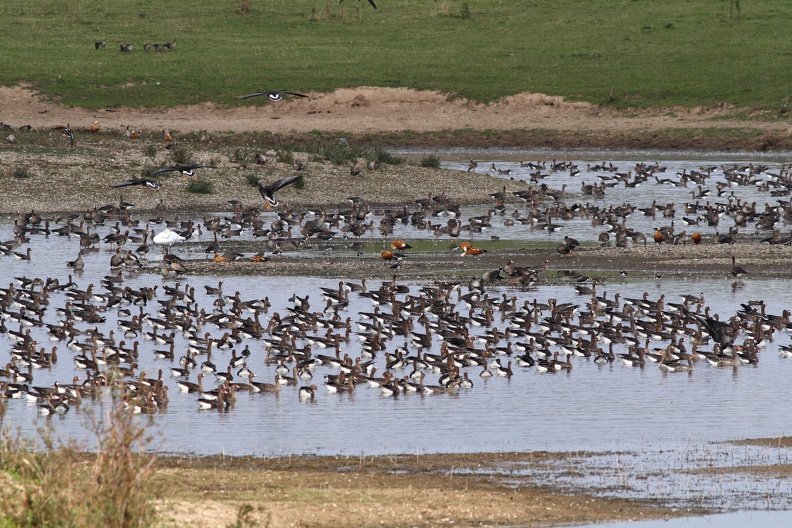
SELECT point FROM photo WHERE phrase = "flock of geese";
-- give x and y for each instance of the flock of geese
(150, 342)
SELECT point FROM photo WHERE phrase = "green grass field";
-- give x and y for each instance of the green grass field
(650, 53)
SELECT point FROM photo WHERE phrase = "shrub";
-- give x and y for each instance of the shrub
(300, 183)
(338, 151)
(181, 156)
(21, 173)
(252, 180)
(431, 161)
(383, 156)
(146, 170)
(200, 186)
(150, 151)
(238, 156)
(284, 155)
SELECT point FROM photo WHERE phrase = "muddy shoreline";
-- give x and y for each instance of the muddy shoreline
(396, 490)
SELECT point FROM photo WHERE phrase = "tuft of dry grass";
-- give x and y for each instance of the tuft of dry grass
(48, 484)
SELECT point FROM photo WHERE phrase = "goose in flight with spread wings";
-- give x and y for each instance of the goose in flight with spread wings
(274, 95)
(268, 191)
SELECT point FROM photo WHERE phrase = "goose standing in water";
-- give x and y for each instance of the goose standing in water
(737, 272)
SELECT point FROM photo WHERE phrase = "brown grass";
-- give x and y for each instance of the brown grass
(51, 484)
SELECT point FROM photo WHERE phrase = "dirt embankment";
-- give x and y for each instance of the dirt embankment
(526, 120)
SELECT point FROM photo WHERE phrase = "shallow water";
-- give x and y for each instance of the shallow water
(641, 197)
(592, 408)
(765, 519)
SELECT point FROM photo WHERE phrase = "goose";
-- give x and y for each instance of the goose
(268, 191)
(22, 256)
(143, 182)
(188, 171)
(307, 392)
(190, 387)
(275, 95)
(738, 272)
(257, 386)
(77, 264)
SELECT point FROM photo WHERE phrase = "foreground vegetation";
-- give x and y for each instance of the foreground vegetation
(48, 484)
(625, 53)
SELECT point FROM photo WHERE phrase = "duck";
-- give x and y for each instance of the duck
(696, 237)
(658, 236)
(472, 250)
(400, 245)
(389, 256)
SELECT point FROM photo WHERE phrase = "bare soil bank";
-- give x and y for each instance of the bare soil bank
(420, 118)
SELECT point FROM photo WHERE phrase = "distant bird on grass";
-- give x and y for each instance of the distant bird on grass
(369, 1)
(68, 132)
(274, 95)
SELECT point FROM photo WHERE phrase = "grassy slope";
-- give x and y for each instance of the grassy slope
(651, 53)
